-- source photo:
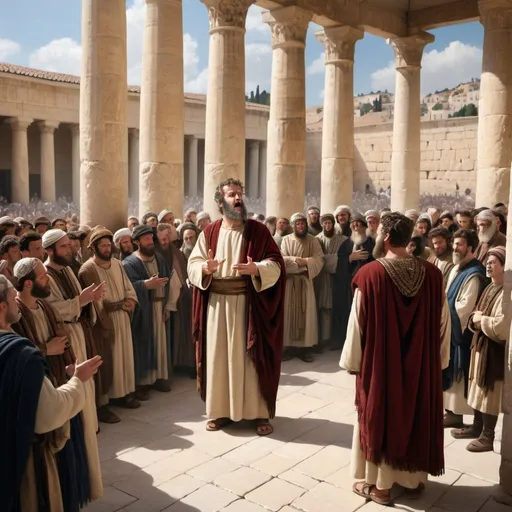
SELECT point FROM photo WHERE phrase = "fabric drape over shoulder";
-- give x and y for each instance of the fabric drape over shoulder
(22, 370)
(265, 315)
(398, 392)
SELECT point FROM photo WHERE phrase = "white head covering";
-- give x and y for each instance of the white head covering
(412, 213)
(121, 233)
(24, 267)
(342, 208)
(162, 214)
(296, 216)
(202, 215)
(372, 213)
(52, 236)
(5, 284)
(486, 215)
(6, 220)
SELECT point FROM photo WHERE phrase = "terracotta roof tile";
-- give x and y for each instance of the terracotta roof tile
(13, 69)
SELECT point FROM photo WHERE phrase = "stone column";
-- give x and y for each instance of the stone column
(254, 168)
(224, 154)
(405, 161)
(337, 176)
(286, 140)
(192, 166)
(48, 192)
(495, 107)
(20, 185)
(133, 164)
(103, 110)
(262, 174)
(162, 109)
(75, 162)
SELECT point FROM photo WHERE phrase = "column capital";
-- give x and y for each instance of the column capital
(496, 14)
(227, 14)
(289, 26)
(48, 126)
(339, 42)
(409, 50)
(19, 123)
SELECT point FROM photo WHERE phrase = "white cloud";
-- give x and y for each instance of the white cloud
(8, 48)
(317, 67)
(254, 21)
(60, 55)
(457, 63)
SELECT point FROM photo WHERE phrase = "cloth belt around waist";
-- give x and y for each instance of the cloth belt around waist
(110, 307)
(235, 286)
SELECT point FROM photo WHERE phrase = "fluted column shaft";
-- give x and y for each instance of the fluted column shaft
(75, 162)
(162, 109)
(495, 107)
(337, 175)
(48, 179)
(286, 140)
(225, 103)
(103, 110)
(20, 185)
(406, 157)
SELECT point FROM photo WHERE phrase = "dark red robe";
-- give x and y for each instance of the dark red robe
(265, 313)
(399, 394)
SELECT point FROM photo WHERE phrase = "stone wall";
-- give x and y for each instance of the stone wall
(448, 156)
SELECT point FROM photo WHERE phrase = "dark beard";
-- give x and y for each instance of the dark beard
(330, 233)
(40, 292)
(147, 251)
(230, 212)
(302, 234)
(104, 257)
(379, 250)
(61, 260)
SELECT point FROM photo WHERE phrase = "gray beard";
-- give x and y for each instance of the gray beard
(486, 236)
(231, 213)
(358, 239)
(371, 234)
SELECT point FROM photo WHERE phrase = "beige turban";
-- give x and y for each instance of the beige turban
(121, 233)
(297, 216)
(162, 214)
(500, 252)
(342, 208)
(202, 215)
(24, 267)
(6, 221)
(98, 233)
(52, 236)
(372, 214)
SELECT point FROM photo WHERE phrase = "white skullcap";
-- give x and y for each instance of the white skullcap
(24, 267)
(296, 216)
(162, 214)
(413, 213)
(121, 233)
(202, 215)
(486, 216)
(342, 208)
(52, 236)
(372, 213)
(6, 220)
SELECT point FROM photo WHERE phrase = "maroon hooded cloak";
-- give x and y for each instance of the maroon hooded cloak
(265, 313)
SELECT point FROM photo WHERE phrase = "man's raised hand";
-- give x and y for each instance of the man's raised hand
(86, 370)
(210, 266)
(155, 282)
(87, 295)
(247, 269)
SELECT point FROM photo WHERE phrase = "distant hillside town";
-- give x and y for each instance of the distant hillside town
(377, 107)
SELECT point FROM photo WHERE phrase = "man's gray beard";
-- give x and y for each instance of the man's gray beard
(299, 234)
(371, 234)
(358, 239)
(457, 258)
(330, 233)
(230, 212)
(379, 250)
(189, 246)
(486, 236)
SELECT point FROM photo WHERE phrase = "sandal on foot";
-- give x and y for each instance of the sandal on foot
(369, 493)
(105, 415)
(215, 425)
(264, 428)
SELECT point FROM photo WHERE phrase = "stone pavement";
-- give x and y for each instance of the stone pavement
(160, 457)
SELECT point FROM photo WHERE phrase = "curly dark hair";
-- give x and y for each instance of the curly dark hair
(219, 191)
(398, 227)
(27, 238)
(440, 231)
(469, 235)
(7, 243)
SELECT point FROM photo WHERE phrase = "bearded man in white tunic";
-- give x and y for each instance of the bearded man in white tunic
(114, 316)
(238, 276)
(330, 241)
(304, 260)
(490, 328)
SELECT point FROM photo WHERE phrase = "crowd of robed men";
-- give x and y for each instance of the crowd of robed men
(106, 317)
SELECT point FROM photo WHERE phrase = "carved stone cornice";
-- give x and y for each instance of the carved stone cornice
(409, 50)
(227, 13)
(289, 26)
(339, 42)
(496, 14)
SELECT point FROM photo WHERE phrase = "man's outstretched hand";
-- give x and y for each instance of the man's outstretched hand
(210, 266)
(247, 269)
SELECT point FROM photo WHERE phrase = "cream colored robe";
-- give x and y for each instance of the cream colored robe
(382, 475)
(70, 311)
(55, 408)
(164, 367)
(232, 389)
(323, 282)
(300, 301)
(119, 288)
(465, 303)
(497, 328)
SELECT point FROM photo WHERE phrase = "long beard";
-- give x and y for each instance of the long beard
(358, 239)
(379, 251)
(300, 234)
(330, 233)
(104, 257)
(485, 236)
(458, 258)
(232, 214)
(40, 292)
(371, 234)
(63, 261)
(147, 251)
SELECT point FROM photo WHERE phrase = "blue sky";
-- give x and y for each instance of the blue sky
(49, 38)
